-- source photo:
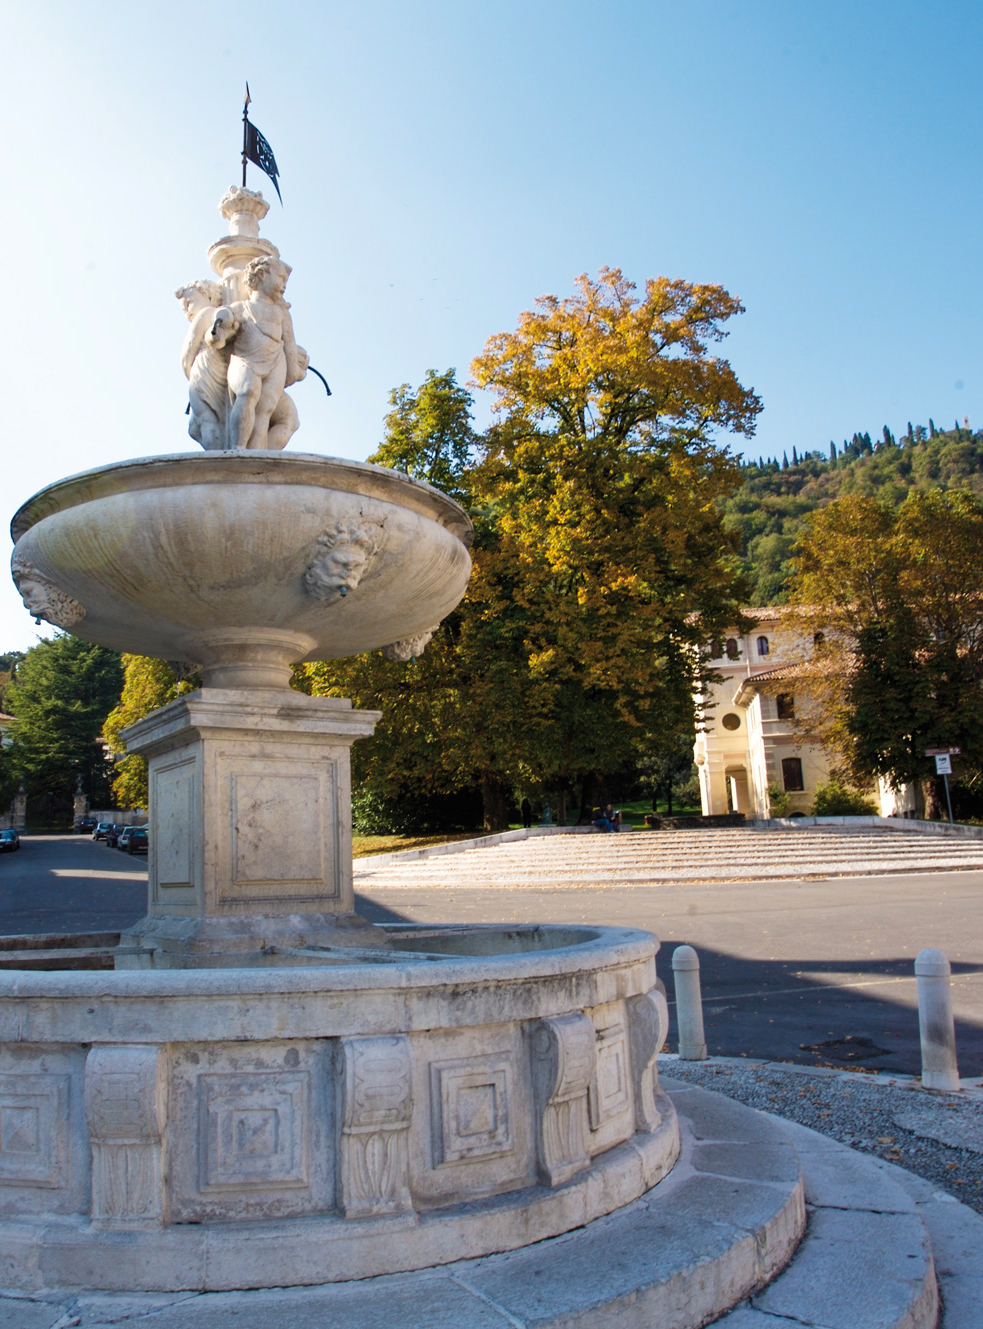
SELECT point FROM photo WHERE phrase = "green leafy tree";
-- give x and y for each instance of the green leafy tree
(429, 433)
(9, 661)
(902, 591)
(61, 695)
(147, 685)
(602, 474)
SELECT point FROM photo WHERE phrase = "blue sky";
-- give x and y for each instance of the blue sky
(443, 164)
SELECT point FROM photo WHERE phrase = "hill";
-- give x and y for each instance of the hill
(777, 496)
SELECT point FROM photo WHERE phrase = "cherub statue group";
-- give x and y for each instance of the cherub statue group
(239, 357)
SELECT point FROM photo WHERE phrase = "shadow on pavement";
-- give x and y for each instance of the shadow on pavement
(860, 1015)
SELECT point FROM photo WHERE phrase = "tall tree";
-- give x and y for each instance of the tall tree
(902, 590)
(603, 476)
(428, 432)
(63, 691)
(147, 685)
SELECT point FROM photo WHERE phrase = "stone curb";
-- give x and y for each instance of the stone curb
(477, 842)
(880, 823)
(971, 1086)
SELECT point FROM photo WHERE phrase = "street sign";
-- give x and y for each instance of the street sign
(943, 763)
(942, 752)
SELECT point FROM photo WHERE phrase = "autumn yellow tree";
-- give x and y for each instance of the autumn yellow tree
(604, 474)
(147, 685)
(900, 594)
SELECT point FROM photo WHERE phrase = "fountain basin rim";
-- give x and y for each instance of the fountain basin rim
(603, 948)
(288, 468)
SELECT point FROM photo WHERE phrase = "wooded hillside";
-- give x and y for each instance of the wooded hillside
(777, 495)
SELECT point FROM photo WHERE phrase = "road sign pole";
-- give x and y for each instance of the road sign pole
(947, 798)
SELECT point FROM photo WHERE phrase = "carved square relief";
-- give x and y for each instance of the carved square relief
(33, 1129)
(253, 1130)
(471, 1108)
(173, 801)
(281, 841)
(610, 1089)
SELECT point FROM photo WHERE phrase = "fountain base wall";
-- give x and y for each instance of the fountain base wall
(191, 1128)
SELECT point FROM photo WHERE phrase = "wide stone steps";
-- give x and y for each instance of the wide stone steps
(651, 857)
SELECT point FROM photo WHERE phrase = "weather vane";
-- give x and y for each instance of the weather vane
(256, 149)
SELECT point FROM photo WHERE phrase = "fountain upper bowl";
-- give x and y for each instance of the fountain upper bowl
(203, 557)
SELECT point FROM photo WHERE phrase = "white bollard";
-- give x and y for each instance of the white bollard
(935, 1022)
(689, 1004)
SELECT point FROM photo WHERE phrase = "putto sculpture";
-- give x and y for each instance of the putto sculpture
(240, 352)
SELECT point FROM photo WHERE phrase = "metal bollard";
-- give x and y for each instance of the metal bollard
(935, 1022)
(689, 1004)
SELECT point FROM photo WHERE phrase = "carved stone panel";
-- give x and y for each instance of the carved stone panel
(258, 1120)
(34, 1129)
(125, 1108)
(471, 1108)
(173, 799)
(277, 820)
(609, 1099)
(376, 1091)
(648, 1023)
(253, 1131)
(563, 1067)
(280, 844)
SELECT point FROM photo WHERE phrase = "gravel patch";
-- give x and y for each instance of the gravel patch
(938, 1136)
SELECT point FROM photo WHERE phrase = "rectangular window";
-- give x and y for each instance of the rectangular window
(792, 775)
(786, 706)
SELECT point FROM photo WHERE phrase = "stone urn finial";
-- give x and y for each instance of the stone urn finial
(244, 209)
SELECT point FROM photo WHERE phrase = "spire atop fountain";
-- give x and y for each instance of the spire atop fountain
(240, 352)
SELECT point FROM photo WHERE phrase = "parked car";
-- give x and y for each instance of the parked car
(101, 830)
(9, 841)
(85, 825)
(113, 834)
(137, 842)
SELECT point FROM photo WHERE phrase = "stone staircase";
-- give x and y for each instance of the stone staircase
(558, 859)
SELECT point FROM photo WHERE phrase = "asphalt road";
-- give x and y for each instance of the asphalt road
(70, 883)
(817, 971)
(812, 971)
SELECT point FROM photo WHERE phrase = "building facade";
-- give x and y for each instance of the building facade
(748, 741)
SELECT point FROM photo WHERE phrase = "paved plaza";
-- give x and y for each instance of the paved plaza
(797, 966)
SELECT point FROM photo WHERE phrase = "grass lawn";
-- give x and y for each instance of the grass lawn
(637, 811)
(363, 845)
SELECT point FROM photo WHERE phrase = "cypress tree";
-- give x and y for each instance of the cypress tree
(832, 453)
(932, 431)
(795, 457)
(784, 461)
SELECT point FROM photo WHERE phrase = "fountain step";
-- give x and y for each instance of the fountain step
(711, 1244)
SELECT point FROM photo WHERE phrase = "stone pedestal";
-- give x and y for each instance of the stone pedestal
(18, 809)
(250, 827)
(80, 806)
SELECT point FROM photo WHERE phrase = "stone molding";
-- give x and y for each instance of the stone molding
(376, 1090)
(648, 1025)
(125, 1108)
(564, 1063)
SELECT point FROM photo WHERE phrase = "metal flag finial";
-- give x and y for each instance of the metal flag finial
(256, 149)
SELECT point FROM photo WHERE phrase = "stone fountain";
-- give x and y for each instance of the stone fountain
(266, 1090)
